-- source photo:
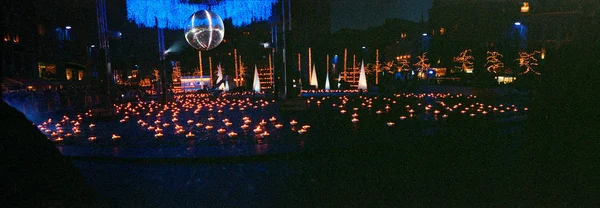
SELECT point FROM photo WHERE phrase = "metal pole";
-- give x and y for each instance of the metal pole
(345, 64)
(377, 66)
(271, 71)
(237, 78)
(290, 14)
(284, 47)
(104, 44)
(299, 68)
(241, 68)
(272, 55)
(327, 63)
(354, 68)
(164, 78)
(210, 70)
(309, 65)
(200, 63)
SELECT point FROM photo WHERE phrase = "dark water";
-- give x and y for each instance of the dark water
(421, 160)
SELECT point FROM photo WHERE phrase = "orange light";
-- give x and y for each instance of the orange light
(525, 7)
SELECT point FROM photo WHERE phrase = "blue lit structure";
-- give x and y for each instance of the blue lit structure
(175, 14)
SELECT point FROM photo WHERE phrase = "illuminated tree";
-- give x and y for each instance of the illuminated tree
(466, 62)
(493, 62)
(422, 64)
(528, 60)
(243, 73)
(387, 66)
(196, 72)
(156, 75)
(176, 74)
(404, 65)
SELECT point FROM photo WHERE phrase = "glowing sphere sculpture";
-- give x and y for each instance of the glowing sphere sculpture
(205, 30)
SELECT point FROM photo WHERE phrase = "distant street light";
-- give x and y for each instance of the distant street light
(68, 27)
(517, 23)
(424, 34)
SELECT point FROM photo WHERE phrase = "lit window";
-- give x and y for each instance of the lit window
(543, 55)
(525, 7)
(80, 75)
(41, 29)
(69, 74)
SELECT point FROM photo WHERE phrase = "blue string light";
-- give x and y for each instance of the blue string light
(175, 14)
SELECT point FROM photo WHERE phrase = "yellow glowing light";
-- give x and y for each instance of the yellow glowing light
(465, 60)
(302, 131)
(543, 55)
(258, 130)
(190, 135)
(525, 7)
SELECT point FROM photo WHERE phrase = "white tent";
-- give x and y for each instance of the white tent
(327, 87)
(313, 78)
(362, 80)
(220, 76)
(226, 86)
(256, 83)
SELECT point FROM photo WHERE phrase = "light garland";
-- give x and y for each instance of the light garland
(174, 14)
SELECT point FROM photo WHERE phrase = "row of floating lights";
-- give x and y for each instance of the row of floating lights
(187, 102)
(472, 110)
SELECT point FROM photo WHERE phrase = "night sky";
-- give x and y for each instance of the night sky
(361, 14)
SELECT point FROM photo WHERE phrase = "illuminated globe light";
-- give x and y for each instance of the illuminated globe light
(205, 31)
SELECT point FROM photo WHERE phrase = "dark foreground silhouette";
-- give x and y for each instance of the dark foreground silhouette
(35, 174)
